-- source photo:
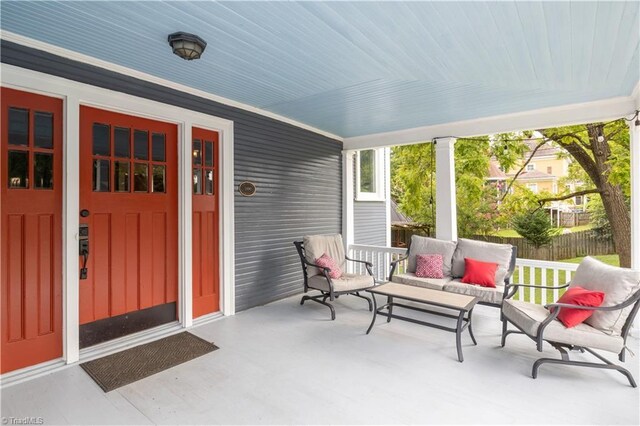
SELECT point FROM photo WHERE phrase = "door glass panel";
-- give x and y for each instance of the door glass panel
(18, 169)
(140, 145)
(208, 182)
(43, 131)
(101, 175)
(43, 171)
(18, 126)
(197, 181)
(197, 152)
(121, 176)
(140, 178)
(157, 147)
(101, 139)
(208, 153)
(158, 178)
(121, 143)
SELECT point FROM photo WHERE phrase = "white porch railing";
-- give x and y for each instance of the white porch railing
(538, 272)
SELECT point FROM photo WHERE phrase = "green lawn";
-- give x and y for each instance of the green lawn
(523, 294)
(609, 259)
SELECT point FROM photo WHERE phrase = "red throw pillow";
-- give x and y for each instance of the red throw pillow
(578, 296)
(429, 266)
(327, 262)
(479, 273)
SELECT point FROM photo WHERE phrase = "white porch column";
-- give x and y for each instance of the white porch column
(634, 139)
(347, 198)
(446, 213)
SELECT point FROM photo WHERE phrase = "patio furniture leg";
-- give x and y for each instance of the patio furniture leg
(322, 302)
(470, 329)
(459, 336)
(606, 364)
(375, 313)
(390, 303)
(357, 294)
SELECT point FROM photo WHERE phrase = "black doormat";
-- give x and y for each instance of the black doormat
(119, 369)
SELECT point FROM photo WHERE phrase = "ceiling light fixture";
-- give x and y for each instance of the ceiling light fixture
(187, 46)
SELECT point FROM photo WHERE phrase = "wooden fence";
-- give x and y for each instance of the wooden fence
(566, 246)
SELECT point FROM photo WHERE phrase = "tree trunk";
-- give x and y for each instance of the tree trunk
(618, 215)
(612, 196)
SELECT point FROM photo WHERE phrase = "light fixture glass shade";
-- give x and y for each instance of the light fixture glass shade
(187, 46)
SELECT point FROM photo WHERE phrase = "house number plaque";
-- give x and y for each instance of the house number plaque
(247, 189)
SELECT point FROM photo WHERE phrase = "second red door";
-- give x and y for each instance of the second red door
(206, 288)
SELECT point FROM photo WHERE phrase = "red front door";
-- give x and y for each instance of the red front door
(206, 275)
(30, 210)
(129, 200)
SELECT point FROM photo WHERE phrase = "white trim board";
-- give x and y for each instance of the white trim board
(76, 94)
(588, 112)
(75, 56)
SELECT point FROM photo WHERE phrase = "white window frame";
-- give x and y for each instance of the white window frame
(379, 173)
(533, 187)
(531, 167)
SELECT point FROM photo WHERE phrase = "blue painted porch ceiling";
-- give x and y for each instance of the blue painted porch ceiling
(354, 68)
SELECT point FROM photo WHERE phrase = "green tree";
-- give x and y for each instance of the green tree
(602, 152)
(535, 227)
(412, 169)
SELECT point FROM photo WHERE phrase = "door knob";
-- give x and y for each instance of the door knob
(84, 213)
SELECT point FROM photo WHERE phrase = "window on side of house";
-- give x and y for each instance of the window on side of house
(370, 175)
(533, 187)
(531, 167)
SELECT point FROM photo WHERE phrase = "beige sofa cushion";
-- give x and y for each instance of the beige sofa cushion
(411, 279)
(485, 294)
(529, 316)
(618, 284)
(426, 245)
(345, 283)
(485, 252)
(316, 245)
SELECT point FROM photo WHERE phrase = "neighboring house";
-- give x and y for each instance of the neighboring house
(544, 173)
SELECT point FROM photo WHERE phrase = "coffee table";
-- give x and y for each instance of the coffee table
(460, 303)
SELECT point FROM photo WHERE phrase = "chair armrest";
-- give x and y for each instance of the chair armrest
(630, 301)
(367, 265)
(322, 268)
(394, 265)
(511, 289)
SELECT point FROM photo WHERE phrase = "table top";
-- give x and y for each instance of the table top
(425, 295)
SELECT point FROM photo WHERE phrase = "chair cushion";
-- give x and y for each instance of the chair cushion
(345, 283)
(317, 245)
(529, 316)
(578, 296)
(479, 273)
(425, 245)
(328, 262)
(491, 295)
(617, 284)
(411, 279)
(484, 252)
(429, 266)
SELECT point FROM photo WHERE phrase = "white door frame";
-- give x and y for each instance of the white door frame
(76, 94)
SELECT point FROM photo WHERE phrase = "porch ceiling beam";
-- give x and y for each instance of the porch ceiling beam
(587, 112)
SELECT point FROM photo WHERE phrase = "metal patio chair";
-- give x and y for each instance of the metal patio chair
(540, 324)
(317, 277)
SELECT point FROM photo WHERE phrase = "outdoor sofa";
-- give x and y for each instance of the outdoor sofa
(453, 266)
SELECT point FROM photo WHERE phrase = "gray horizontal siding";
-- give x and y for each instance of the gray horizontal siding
(370, 220)
(298, 175)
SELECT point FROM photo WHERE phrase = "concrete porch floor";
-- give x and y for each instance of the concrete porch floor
(288, 364)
